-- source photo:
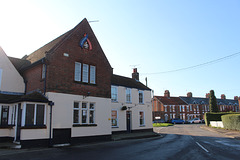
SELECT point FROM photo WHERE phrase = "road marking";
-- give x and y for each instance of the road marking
(202, 147)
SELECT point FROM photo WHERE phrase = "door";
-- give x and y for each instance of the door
(129, 119)
(18, 114)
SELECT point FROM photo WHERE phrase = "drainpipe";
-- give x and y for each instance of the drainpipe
(51, 103)
(45, 76)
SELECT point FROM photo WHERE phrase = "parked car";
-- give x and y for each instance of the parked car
(159, 121)
(195, 120)
(177, 120)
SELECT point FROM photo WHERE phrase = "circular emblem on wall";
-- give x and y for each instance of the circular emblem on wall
(85, 42)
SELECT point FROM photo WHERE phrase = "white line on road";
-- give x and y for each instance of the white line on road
(202, 147)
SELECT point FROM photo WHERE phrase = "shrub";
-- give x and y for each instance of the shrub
(231, 121)
(215, 116)
(162, 124)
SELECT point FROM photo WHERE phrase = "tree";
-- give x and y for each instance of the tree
(213, 102)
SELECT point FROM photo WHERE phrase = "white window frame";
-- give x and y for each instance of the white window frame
(35, 113)
(141, 125)
(77, 72)
(0, 77)
(128, 98)
(84, 109)
(114, 91)
(141, 92)
(85, 72)
(92, 74)
(183, 108)
(43, 71)
(79, 112)
(180, 108)
(92, 109)
(116, 118)
(165, 108)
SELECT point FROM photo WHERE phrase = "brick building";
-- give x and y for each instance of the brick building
(189, 107)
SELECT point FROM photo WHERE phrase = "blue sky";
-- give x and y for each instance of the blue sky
(154, 35)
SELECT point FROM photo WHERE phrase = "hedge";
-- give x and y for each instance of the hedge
(209, 116)
(231, 121)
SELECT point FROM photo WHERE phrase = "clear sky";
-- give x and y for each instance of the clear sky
(153, 35)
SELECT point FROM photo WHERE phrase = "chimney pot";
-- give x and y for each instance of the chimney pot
(223, 96)
(189, 94)
(135, 74)
(166, 93)
(207, 95)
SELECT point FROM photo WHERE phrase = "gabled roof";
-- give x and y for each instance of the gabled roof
(41, 52)
(197, 100)
(127, 82)
(13, 98)
(19, 63)
(170, 100)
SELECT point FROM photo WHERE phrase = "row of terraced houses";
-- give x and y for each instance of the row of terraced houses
(66, 93)
(189, 107)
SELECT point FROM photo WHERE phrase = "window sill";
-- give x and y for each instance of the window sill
(84, 125)
(141, 103)
(114, 101)
(115, 127)
(85, 83)
(34, 127)
(142, 126)
(6, 127)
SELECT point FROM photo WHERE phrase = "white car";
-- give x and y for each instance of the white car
(195, 120)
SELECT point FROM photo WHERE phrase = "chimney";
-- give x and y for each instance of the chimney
(189, 94)
(166, 93)
(207, 95)
(223, 96)
(135, 74)
(235, 97)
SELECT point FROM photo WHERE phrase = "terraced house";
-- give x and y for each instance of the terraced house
(61, 94)
(189, 107)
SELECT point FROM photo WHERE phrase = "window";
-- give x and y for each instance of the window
(165, 108)
(91, 113)
(114, 93)
(35, 115)
(82, 73)
(128, 95)
(43, 71)
(183, 108)
(77, 71)
(114, 118)
(173, 107)
(83, 113)
(180, 108)
(76, 111)
(0, 77)
(140, 93)
(4, 115)
(92, 74)
(85, 73)
(141, 118)
(187, 108)
(190, 107)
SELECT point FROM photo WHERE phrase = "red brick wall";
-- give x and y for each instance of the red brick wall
(60, 75)
(33, 76)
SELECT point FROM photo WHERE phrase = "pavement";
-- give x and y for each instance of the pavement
(10, 148)
(227, 133)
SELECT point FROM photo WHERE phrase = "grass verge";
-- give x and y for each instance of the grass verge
(162, 124)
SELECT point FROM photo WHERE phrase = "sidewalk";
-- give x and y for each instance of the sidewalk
(228, 133)
(137, 135)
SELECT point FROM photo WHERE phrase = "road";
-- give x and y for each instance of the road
(179, 142)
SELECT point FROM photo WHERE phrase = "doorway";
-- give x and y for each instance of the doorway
(129, 121)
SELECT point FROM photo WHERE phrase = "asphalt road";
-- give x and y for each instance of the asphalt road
(179, 142)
